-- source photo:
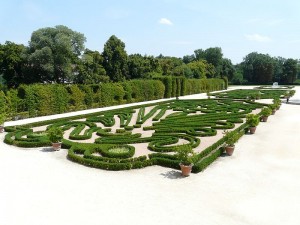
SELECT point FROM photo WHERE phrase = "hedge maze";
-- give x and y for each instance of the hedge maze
(251, 94)
(107, 139)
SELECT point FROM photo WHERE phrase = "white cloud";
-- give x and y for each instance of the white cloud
(165, 21)
(257, 38)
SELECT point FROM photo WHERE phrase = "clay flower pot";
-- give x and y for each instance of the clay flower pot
(229, 149)
(252, 130)
(186, 169)
(56, 146)
(1, 129)
(264, 118)
(273, 111)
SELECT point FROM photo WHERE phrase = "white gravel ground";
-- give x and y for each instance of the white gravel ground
(258, 185)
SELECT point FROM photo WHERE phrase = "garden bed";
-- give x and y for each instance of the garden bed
(153, 133)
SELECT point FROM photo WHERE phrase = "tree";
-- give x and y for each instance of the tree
(213, 56)
(227, 69)
(142, 66)
(183, 70)
(168, 64)
(278, 68)
(11, 62)
(201, 69)
(188, 58)
(237, 77)
(258, 68)
(115, 59)
(289, 72)
(52, 53)
(90, 69)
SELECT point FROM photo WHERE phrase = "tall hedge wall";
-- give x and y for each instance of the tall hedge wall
(195, 86)
(46, 99)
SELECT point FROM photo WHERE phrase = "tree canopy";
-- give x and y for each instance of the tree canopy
(115, 59)
(58, 55)
(52, 52)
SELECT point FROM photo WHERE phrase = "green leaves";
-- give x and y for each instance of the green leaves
(52, 51)
(115, 59)
(55, 134)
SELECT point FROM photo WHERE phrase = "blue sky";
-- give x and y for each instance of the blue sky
(170, 27)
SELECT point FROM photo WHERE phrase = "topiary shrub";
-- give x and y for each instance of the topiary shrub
(55, 134)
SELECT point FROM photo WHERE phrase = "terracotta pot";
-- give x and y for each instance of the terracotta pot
(264, 118)
(186, 170)
(273, 111)
(1, 129)
(252, 130)
(229, 149)
(56, 146)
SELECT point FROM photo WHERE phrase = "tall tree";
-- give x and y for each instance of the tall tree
(289, 73)
(115, 59)
(11, 62)
(53, 51)
(258, 68)
(201, 69)
(213, 56)
(142, 66)
(168, 64)
(183, 70)
(227, 69)
(278, 68)
(188, 58)
(90, 69)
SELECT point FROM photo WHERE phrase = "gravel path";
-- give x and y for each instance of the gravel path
(258, 185)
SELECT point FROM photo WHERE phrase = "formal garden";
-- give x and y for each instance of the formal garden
(166, 133)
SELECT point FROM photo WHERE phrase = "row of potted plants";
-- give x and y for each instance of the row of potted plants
(186, 154)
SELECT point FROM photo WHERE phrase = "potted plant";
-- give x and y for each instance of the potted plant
(277, 103)
(2, 120)
(265, 113)
(55, 135)
(273, 108)
(231, 137)
(186, 156)
(252, 120)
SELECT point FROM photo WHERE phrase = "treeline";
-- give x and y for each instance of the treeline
(47, 99)
(58, 55)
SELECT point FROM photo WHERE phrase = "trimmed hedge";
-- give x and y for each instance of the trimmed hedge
(47, 99)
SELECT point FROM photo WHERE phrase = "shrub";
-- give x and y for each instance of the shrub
(252, 120)
(231, 137)
(55, 134)
(185, 154)
(266, 111)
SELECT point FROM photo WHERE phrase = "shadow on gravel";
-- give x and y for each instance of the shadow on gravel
(47, 149)
(224, 155)
(174, 174)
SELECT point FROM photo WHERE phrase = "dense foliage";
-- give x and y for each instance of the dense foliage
(57, 55)
(47, 99)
